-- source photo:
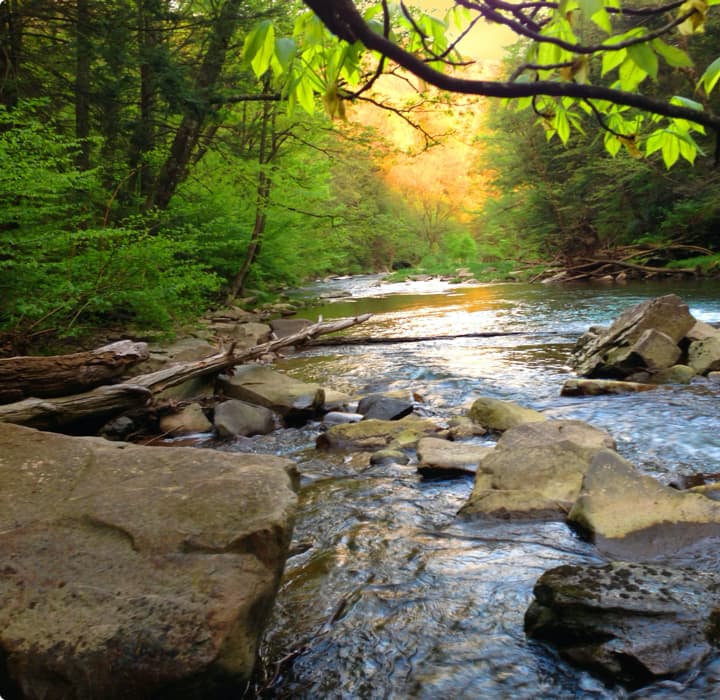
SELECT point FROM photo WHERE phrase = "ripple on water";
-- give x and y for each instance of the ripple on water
(391, 595)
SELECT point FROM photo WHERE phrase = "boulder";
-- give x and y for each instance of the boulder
(529, 481)
(235, 417)
(553, 431)
(376, 434)
(702, 331)
(243, 335)
(460, 427)
(632, 516)
(135, 572)
(384, 407)
(495, 414)
(190, 419)
(633, 622)
(291, 398)
(598, 387)
(677, 374)
(704, 355)
(618, 351)
(336, 400)
(283, 327)
(385, 457)
(337, 417)
(656, 350)
(443, 458)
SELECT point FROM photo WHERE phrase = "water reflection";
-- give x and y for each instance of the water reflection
(393, 597)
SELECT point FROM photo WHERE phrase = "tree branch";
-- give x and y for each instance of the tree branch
(342, 18)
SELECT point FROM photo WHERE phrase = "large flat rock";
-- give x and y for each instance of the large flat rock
(131, 570)
(632, 516)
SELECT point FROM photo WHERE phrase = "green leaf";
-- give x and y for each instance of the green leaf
(631, 74)
(670, 150)
(709, 78)
(612, 59)
(644, 57)
(612, 144)
(673, 56)
(285, 50)
(562, 125)
(590, 7)
(685, 102)
(259, 48)
(602, 20)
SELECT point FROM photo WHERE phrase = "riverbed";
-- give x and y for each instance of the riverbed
(389, 594)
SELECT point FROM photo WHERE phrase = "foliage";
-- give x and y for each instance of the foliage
(59, 271)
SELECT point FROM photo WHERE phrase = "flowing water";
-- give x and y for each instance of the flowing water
(392, 596)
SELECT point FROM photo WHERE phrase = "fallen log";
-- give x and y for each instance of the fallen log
(107, 401)
(390, 339)
(55, 414)
(177, 374)
(61, 375)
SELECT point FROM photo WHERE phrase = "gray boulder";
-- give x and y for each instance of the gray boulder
(291, 398)
(627, 345)
(384, 407)
(633, 622)
(131, 572)
(235, 417)
(632, 516)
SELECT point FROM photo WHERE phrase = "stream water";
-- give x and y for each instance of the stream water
(392, 596)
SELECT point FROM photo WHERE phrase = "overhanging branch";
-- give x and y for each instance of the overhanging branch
(343, 19)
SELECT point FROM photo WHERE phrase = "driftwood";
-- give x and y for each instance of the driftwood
(383, 340)
(57, 413)
(106, 401)
(60, 375)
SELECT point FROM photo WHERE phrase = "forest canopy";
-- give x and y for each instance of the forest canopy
(160, 157)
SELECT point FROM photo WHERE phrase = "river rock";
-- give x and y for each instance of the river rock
(618, 351)
(336, 400)
(338, 417)
(294, 400)
(632, 622)
(284, 327)
(190, 419)
(244, 335)
(373, 434)
(495, 414)
(632, 516)
(387, 456)
(235, 417)
(677, 374)
(384, 407)
(552, 431)
(598, 387)
(460, 427)
(135, 572)
(702, 331)
(529, 481)
(704, 355)
(443, 458)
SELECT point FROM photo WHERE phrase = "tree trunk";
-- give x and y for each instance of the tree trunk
(266, 153)
(83, 49)
(174, 169)
(10, 45)
(60, 375)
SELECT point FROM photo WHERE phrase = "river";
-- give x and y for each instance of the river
(391, 596)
